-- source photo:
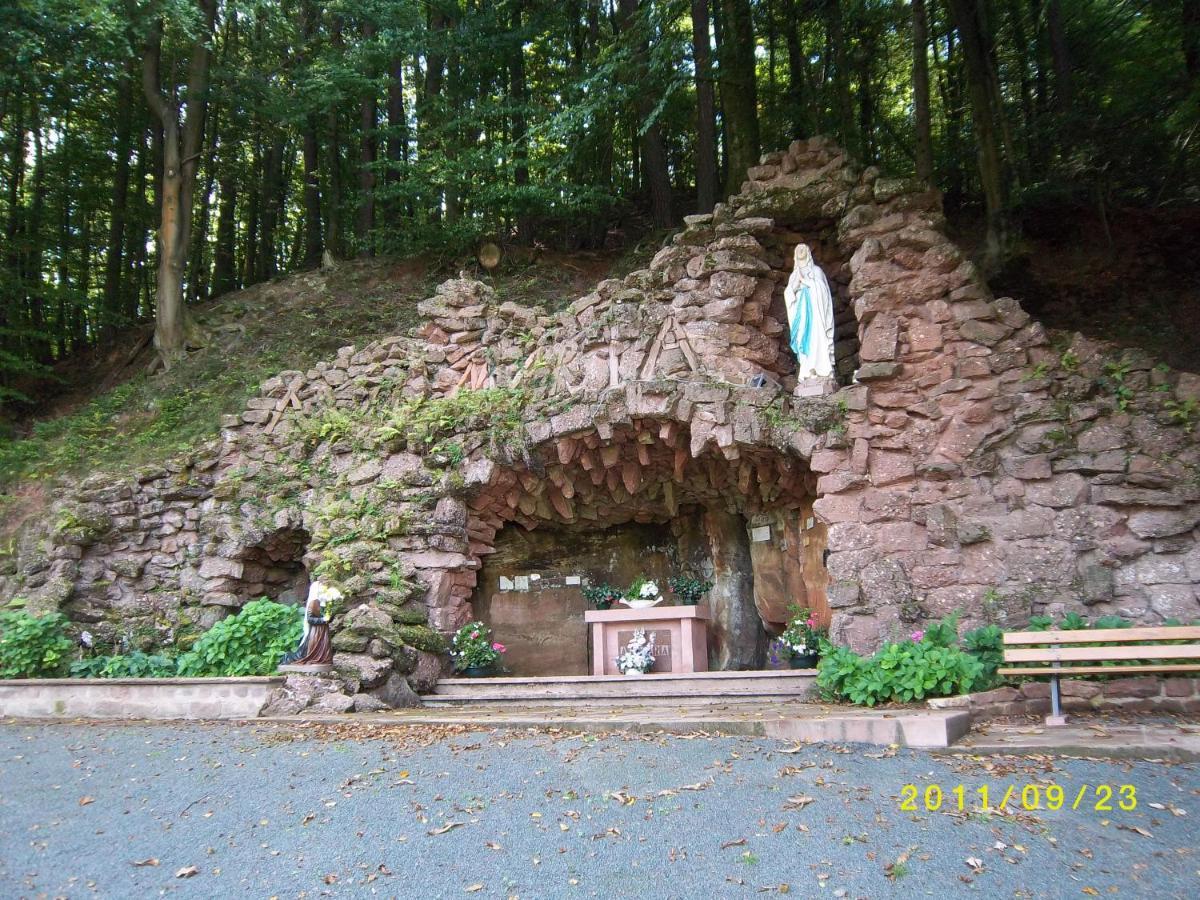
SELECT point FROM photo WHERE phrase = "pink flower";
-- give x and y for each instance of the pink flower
(918, 636)
(499, 648)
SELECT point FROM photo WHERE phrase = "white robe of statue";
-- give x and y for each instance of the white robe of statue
(810, 317)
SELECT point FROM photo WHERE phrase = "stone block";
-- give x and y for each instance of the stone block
(880, 339)
(1141, 686)
(887, 467)
(1179, 687)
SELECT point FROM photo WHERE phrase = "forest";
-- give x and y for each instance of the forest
(157, 153)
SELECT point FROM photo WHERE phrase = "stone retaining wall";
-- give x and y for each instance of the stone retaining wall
(136, 698)
(1141, 694)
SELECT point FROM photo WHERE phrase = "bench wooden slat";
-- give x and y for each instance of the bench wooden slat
(1106, 635)
(1067, 654)
(1068, 671)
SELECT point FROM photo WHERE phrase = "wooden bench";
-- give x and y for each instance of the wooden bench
(1061, 656)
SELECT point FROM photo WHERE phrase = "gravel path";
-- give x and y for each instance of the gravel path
(348, 811)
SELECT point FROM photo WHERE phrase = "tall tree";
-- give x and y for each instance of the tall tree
(650, 141)
(706, 126)
(739, 91)
(976, 49)
(922, 115)
(181, 142)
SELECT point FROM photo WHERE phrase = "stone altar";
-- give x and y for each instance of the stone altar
(681, 637)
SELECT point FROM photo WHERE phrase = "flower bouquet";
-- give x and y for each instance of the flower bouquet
(473, 650)
(800, 641)
(638, 655)
(642, 594)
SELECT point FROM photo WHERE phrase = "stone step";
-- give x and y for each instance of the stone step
(667, 689)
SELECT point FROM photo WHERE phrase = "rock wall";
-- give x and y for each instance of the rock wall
(971, 461)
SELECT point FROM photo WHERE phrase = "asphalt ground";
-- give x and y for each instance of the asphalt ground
(286, 810)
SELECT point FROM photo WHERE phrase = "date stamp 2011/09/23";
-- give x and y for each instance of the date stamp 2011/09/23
(1029, 797)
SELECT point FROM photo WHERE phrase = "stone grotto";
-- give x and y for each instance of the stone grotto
(496, 458)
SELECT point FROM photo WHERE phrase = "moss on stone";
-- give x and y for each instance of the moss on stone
(422, 637)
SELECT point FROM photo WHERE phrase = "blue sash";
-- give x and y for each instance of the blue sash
(802, 341)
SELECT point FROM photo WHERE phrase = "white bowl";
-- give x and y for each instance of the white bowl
(642, 603)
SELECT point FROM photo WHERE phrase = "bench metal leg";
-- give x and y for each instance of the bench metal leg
(1056, 717)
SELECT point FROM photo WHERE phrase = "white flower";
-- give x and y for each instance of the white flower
(649, 589)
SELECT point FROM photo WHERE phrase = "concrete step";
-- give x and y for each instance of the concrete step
(666, 689)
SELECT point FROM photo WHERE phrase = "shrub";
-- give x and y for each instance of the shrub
(248, 643)
(133, 665)
(903, 671)
(986, 644)
(33, 646)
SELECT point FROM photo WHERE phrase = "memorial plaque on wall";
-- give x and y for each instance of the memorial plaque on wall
(662, 647)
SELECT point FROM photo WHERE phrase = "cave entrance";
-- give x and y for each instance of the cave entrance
(637, 504)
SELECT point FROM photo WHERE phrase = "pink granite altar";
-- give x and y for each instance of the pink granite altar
(680, 636)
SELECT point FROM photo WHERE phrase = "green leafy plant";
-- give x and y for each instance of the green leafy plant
(602, 596)
(248, 643)
(1183, 412)
(1114, 377)
(33, 646)
(986, 644)
(900, 672)
(133, 665)
(689, 589)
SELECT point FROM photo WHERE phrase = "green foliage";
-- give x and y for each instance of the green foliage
(472, 647)
(986, 644)
(689, 589)
(133, 665)
(900, 672)
(1183, 412)
(423, 424)
(33, 646)
(250, 642)
(602, 596)
(327, 423)
(1113, 379)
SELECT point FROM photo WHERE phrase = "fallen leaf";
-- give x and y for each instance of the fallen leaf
(798, 802)
(152, 861)
(975, 863)
(308, 818)
(330, 878)
(447, 827)
(1136, 828)
(1091, 892)
(187, 872)
(740, 842)
(475, 888)
(491, 845)
(84, 801)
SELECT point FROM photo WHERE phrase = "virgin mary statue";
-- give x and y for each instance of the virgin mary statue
(810, 317)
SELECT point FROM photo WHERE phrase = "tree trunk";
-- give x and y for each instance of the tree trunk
(271, 198)
(739, 91)
(842, 102)
(797, 76)
(112, 302)
(224, 262)
(920, 76)
(1060, 54)
(1190, 29)
(181, 149)
(706, 113)
(649, 139)
(519, 98)
(974, 45)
